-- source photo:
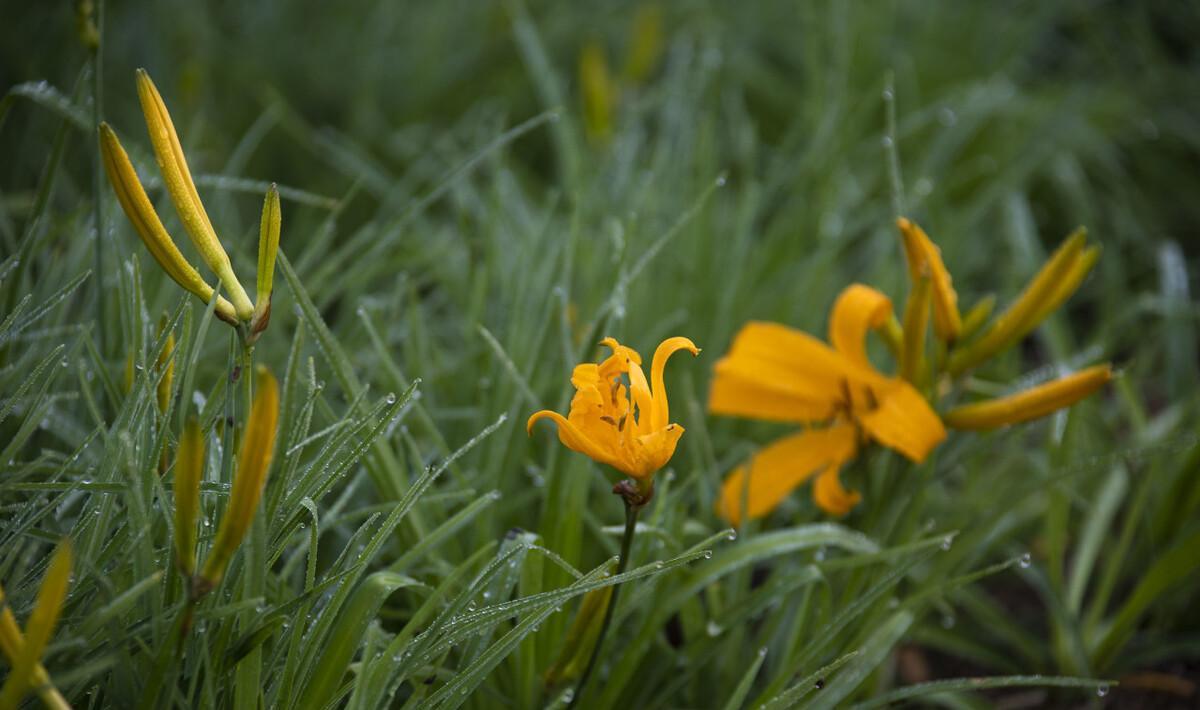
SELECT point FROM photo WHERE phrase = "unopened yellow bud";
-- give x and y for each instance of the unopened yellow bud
(645, 42)
(1047, 290)
(25, 650)
(1030, 404)
(581, 637)
(977, 316)
(924, 258)
(599, 91)
(166, 366)
(916, 322)
(137, 207)
(181, 188)
(254, 461)
(268, 247)
(189, 471)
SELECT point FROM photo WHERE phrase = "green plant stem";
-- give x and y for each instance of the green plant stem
(631, 516)
(98, 179)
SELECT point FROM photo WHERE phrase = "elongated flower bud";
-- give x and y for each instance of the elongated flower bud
(599, 92)
(924, 258)
(254, 461)
(1030, 404)
(916, 322)
(138, 208)
(189, 471)
(268, 247)
(977, 316)
(181, 188)
(581, 637)
(166, 366)
(1044, 293)
(24, 651)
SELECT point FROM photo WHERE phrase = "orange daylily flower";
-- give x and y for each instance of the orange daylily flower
(625, 426)
(777, 373)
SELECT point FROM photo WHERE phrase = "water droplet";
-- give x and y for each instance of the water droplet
(708, 554)
(731, 535)
(1026, 560)
(819, 555)
(721, 181)
(948, 621)
(886, 141)
(820, 684)
(947, 117)
(659, 565)
(391, 398)
(947, 542)
(888, 95)
(713, 628)
(1101, 691)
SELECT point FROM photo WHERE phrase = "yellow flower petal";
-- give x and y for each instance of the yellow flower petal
(830, 496)
(136, 204)
(178, 179)
(902, 420)
(924, 256)
(858, 309)
(778, 469)
(574, 438)
(660, 411)
(778, 373)
(1032, 403)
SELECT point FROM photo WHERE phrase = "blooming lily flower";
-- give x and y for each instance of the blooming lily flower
(776, 373)
(626, 426)
(781, 374)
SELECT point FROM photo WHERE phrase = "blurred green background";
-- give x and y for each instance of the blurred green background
(454, 219)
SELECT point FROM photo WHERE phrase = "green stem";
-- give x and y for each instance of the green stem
(98, 179)
(631, 515)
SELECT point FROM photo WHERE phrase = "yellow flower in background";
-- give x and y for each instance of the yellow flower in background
(777, 373)
(617, 417)
(599, 91)
(237, 310)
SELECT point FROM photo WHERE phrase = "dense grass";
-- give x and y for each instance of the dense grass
(456, 241)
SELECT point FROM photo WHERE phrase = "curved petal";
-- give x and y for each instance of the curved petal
(573, 437)
(857, 309)
(639, 390)
(830, 496)
(618, 362)
(903, 420)
(778, 469)
(924, 256)
(659, 410)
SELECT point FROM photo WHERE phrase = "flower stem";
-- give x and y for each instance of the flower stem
(631, 515)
